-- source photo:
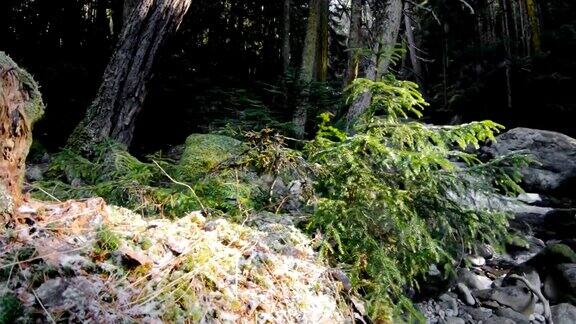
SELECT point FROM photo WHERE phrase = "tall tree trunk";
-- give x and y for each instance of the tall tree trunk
(386, 28)
(286, 37)
(389, 25)
(20, 107)
(416, 66)
(123, 89)
(314, 65)
(354, 42)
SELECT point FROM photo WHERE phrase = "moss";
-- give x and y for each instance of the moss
(204, 152)
(10, 308)
(106, 240)
(552, 255)
(35, 106)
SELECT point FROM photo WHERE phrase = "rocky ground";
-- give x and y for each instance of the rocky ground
(535, 280)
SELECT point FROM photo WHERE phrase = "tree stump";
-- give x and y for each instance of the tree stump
(20, 107)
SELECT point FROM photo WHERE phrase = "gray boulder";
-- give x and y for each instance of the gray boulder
(519, 298)
(563, 314)
(554, 153)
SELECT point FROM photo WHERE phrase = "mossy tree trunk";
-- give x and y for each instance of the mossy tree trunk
(123, 90)
(20, 107)
(378, 52)
(314, 60)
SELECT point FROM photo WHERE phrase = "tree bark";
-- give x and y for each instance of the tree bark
(386, 27)
(286, 37)
(314, 62)
(20, 107)
(389, 25)
(123, 90)
(354, 42)
(416, 66)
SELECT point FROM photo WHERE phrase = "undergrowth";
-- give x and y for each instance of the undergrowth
(388, 201)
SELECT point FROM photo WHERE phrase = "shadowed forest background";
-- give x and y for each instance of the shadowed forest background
(227, 57)
(288, 161)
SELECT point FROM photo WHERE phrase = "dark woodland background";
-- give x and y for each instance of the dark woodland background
(227, 54)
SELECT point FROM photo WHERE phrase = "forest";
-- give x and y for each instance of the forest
(288, 161)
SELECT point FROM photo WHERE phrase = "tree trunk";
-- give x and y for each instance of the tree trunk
(123, 90)
(416, 66)
(354, 42)
(386, 27)
(286, 37)
(314, 64)
(389, 25)
(20, 107)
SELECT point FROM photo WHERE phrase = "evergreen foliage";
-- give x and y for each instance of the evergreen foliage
(393, 195)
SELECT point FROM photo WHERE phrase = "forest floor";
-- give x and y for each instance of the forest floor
(85, 261)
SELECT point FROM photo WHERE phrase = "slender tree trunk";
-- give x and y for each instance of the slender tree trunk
(286, 37)
(314, 65)
(386, 28)
(20, 107)
(389, 26)
(354, 42)
(416, 66)
(123, 89)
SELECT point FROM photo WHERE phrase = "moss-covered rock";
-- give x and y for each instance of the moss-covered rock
(204, 152)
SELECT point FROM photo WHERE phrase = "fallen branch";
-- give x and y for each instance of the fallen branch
(538, 293)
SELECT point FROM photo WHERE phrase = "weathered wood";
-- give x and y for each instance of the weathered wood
(20, 107)
(123, 89)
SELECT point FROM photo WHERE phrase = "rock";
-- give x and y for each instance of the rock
(564, 314)
(513, 315)
(564, 280)
(498, 320)
(433, 271)
(465, 294)
(454, 320)
(449, 302)
(539, 318)
(527, 272)
(554, 153)
(568, 271)
(558, 224)
(519, 298)
(134, 258)
(529, 198)
(539, 308)
(485, 250)
(550, 289)
(472, 280)
(34, 173)
(476, 261)
(551, 256)
(478, 314)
